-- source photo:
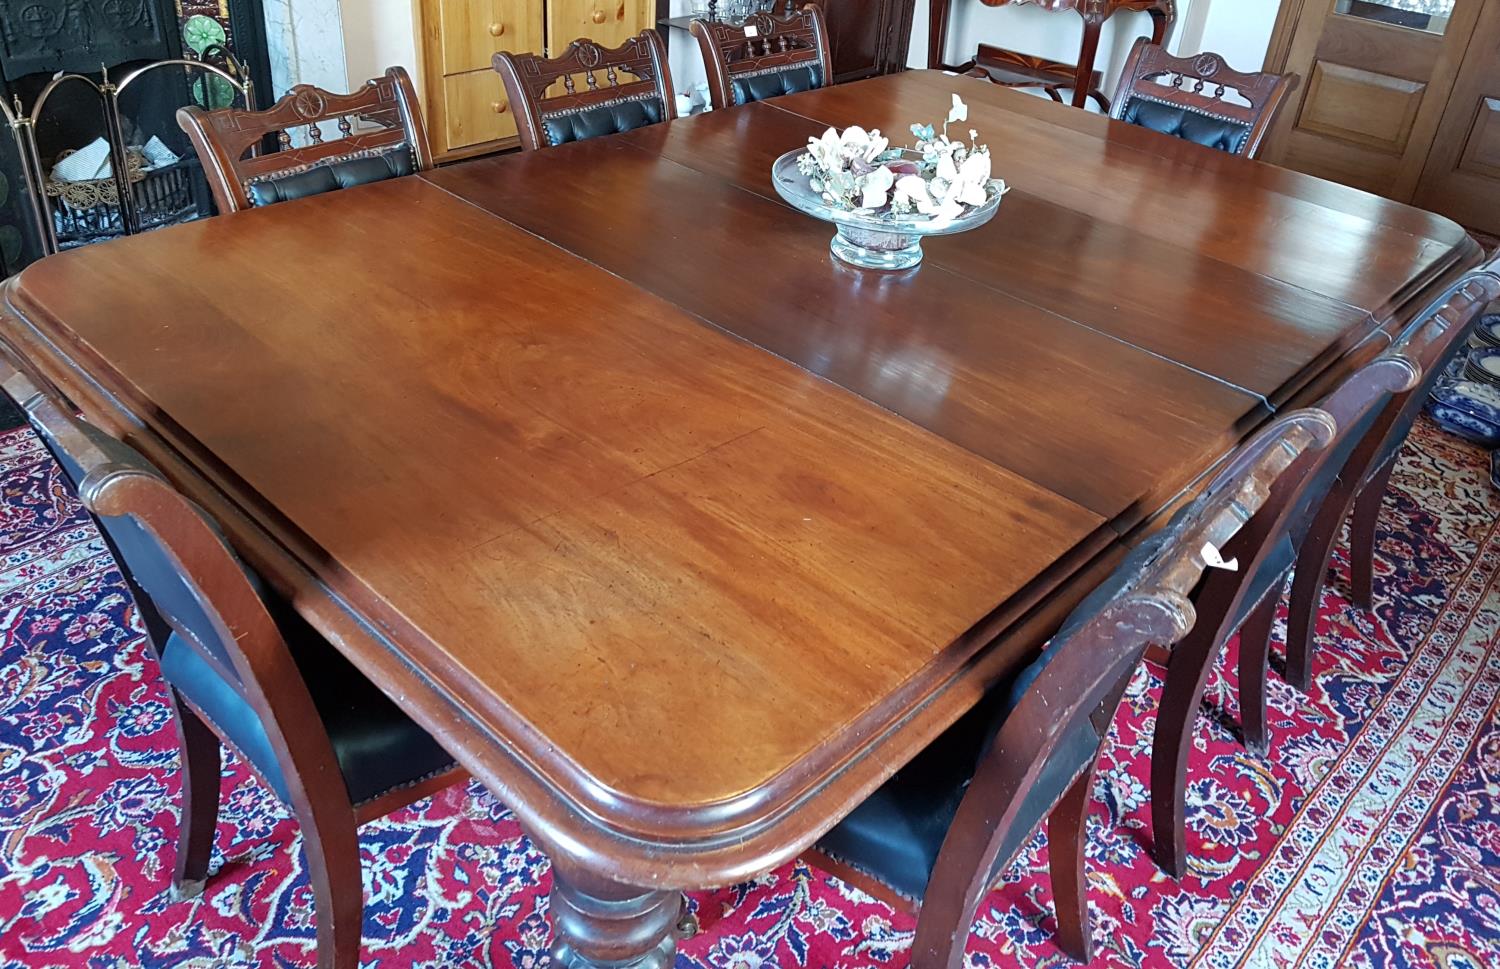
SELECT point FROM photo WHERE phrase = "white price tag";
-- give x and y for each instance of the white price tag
(1214, 560)
(752, 31)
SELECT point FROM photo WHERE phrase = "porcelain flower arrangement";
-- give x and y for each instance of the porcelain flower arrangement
(938, 177)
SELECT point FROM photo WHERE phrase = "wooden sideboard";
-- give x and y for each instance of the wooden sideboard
(467, 110)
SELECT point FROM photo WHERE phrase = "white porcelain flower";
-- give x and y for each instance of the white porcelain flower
(825, 150)
(959, 111)
(857, 143)
(876, 187)
(912, 190)
(973, 175)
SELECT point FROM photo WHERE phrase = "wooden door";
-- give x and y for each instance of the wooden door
(466, 100)
(606, 22)
(1462, 176)
(1376, 79)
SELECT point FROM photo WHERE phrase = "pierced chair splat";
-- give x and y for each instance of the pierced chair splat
(1198, 99)
(765, 57)
(246, 671)
(562, 99)
(945, 826)
(326, 141)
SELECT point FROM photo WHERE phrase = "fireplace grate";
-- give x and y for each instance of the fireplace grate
(90, 212)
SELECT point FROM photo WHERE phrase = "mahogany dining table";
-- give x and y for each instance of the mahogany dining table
(679, 534)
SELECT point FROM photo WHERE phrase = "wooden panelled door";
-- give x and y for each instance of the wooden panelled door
(1381, 107)
(1462, 177)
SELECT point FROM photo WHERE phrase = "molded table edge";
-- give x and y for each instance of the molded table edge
(734, 847)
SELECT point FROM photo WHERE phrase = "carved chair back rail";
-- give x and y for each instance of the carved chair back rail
(766, 56)
(636, 90)
(325, 141)
(1190, 98)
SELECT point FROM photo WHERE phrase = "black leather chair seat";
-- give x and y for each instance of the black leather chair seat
(331, 177)
(1187, 124)
(758, 87)
(896, 834)
(379, 748)
(605, 119)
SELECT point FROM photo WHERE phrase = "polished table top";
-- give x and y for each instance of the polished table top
(510, 434)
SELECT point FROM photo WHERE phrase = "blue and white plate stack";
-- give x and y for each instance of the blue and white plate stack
(1470, 408)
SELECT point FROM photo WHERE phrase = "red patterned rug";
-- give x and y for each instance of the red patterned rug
(1370, 836)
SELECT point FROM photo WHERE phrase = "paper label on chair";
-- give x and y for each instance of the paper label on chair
(1214, 560)
(752, 31)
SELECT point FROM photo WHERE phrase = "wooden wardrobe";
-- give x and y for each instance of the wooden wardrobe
(467, 111)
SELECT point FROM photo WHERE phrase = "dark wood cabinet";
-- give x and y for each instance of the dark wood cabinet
(868, 37)
(865, 37)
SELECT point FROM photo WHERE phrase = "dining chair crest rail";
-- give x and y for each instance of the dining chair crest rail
(1356, 495)
(946, 825)
(379, 135)
(561, 99)
(1198, 98)
(245, 671)
(767, 56)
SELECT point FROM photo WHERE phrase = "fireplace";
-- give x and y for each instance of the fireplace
(103, 43)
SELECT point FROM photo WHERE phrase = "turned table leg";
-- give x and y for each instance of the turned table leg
(600, 924)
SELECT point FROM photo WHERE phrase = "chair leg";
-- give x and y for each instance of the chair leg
(1067, 828)
(1187, 676)
(1255, 661)
(1362, 536)
(1313, 560)
(331, 843)
(200, 801)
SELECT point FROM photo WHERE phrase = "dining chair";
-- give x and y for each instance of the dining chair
(1189, 98)
(246, 672)
(940, 831)
(1245, 600)
(1438, 334)
(380, 135)
(561, 100)
(766, 56)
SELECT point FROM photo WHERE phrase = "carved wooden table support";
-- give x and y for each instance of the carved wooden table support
(1094, 14)
(600, 924)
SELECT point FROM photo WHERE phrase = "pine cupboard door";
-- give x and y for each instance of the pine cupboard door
(467, 106)
(1376, 79)
(606, 22)
(1462, 178)
(475, 110)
